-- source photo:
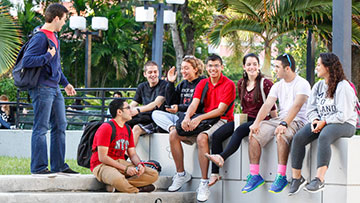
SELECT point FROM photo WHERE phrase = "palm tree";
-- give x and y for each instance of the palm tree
(9, 40)
(270, 19)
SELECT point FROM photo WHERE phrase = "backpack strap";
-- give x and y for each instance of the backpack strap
(113, 134)
(203, 94)
(229, 107)
(128, 129)
(262, 89)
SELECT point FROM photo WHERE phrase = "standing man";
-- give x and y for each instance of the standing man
(218, 102)
(151, 94)
(47, 99)
(292, 92)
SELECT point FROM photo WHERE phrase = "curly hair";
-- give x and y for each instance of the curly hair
(195, 63)
(336, 72)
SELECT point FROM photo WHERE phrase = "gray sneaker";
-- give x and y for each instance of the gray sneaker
(315, 186)
(296, 185)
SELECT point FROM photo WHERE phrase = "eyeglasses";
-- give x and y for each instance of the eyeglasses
(288, 58)
(128, 108)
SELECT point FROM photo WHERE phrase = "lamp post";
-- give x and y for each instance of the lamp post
(166, 14)
(78, 23)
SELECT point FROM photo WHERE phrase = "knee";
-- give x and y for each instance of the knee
(154, 175)
(202, 140)
(136, 131)
(173, 136)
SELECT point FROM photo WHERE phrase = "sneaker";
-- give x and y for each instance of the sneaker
(253, 182)
(44, 173)
(279, 184)
(69, 172)
(179, 181)
(296, 185)
(203, 192)
(147, 188)
(315, 186)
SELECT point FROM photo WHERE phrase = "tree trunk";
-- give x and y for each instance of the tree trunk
(178, 46)
(189, 30)
(266, 69)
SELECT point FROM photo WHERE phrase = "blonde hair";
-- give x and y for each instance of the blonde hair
(195, 63)
(6, 106)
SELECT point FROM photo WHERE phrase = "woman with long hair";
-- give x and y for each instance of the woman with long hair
(250, 94)
(331, 113)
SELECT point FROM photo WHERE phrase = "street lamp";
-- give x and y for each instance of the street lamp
(78, 23)
(146, 14)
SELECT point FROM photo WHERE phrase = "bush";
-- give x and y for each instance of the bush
(8, 88)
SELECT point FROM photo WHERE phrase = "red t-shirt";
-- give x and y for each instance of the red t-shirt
(117, 147)
(223, 91)
(51, 36)
(248, 105)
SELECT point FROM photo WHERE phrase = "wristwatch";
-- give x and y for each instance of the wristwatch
(283, 123)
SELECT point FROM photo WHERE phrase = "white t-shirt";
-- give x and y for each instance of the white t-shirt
(286, 92)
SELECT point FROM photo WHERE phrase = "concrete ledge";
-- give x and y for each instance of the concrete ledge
(96, 197)
(29, 183)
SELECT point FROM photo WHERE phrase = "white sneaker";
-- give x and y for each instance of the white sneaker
(179, 181)
(203, 192)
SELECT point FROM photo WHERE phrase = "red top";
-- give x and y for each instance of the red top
(248, 105)
(51, 36)
(117, 147)
(223, 91)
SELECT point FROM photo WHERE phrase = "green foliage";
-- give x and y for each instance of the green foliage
(8, 88)
(9, 40)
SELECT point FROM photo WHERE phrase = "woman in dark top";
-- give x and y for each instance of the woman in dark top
(250, 95)
(6, 114)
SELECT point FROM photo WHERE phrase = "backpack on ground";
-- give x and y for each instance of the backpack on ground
(153, 164)
(26, 78)
(85, 146)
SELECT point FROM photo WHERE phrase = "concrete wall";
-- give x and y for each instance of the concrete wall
(342, 178)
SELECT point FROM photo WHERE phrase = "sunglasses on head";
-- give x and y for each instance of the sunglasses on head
(189, 57)
(288, 58)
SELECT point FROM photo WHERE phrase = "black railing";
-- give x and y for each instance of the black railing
(93, 106)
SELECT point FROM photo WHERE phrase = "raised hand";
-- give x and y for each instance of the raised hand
(172, 74)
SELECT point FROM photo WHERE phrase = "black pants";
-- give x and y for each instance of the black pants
(225, 132)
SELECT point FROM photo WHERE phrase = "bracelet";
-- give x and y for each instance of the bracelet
(141, 163)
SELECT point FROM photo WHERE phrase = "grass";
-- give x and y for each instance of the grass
(21, 166)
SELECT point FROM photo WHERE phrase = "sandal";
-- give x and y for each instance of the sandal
(216, 159)
(214, 178)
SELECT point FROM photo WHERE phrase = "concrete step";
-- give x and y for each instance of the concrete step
(96, 197)
(29, 183)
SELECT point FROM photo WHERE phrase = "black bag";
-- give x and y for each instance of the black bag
(204, 124)
(84, 151)
(26, 78)
(153, 164)
(143, 118)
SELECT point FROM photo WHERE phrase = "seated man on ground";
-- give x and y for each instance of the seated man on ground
(151, 94)
(218, 102)
(292, 91)
(108, 159)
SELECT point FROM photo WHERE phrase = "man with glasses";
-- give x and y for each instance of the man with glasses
(218, 102)
(108, 162)
(151, 94)
(292, 92)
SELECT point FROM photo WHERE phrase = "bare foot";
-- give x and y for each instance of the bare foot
(216, 159)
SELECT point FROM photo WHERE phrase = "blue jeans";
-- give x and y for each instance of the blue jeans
(164, 119)
(49, 108)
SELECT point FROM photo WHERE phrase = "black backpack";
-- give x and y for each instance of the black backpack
(85, 146)
(26, 78)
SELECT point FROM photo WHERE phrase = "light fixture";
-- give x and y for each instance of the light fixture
(169, 17)
(99, 23)
(175, 1)
(144, 15)
(77, 23)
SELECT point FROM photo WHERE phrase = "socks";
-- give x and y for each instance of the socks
(181, 173)
(254, 169)
(281, 169)
(204, 181)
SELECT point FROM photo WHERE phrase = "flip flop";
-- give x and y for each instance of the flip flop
(214, 178)
(216, 159)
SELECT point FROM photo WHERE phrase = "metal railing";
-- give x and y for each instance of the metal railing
(93, 107)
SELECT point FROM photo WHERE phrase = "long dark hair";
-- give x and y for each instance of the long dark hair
(336, 72)
(246, 79)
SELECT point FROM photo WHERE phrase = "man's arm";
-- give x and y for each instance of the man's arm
(37, 53)
(151, 106)
(263, 112)
(185, 124)
(135, 159)
(219, 111)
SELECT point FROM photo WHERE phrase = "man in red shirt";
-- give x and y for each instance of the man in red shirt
(108, 159)
(219, 96)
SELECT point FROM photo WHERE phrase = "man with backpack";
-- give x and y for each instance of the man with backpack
(43, 50)
(218, 103)
(108, 162)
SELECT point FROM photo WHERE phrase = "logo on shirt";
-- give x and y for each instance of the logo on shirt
(122, 144)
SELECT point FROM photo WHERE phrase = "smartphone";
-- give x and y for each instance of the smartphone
(313, 126)
(168, 106)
